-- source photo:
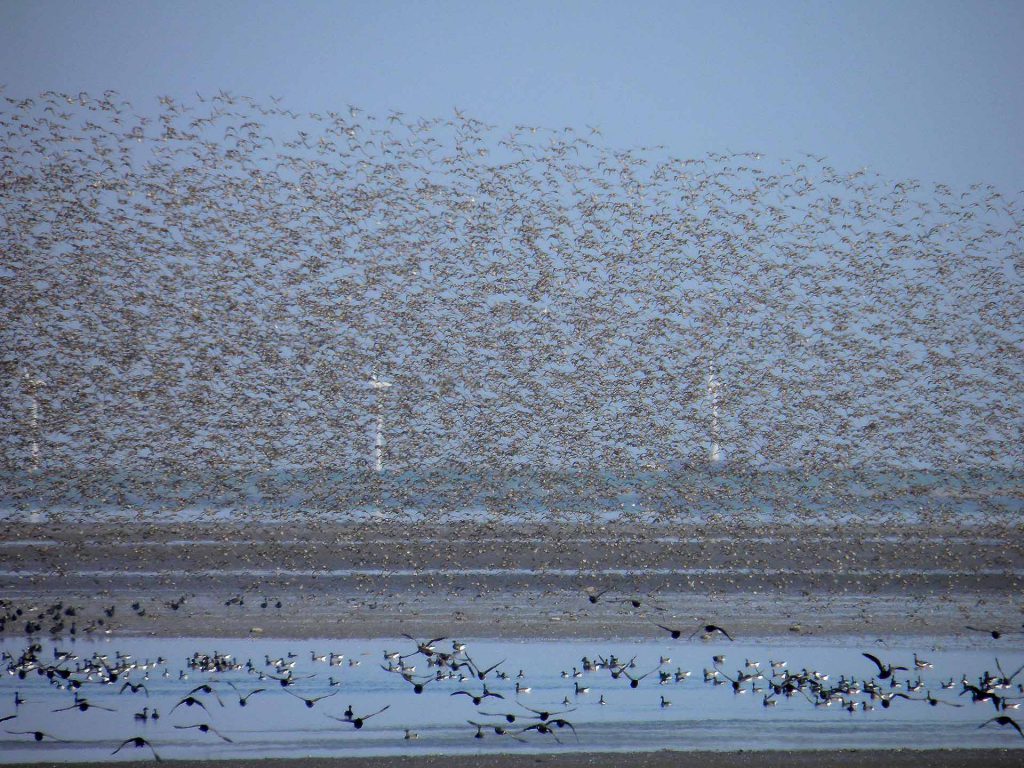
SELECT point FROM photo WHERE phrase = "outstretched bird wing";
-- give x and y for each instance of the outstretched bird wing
(878, 663)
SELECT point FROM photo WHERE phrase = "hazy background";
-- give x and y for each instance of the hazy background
(926, 90)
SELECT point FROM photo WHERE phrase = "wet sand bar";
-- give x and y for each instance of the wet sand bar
(503, 581)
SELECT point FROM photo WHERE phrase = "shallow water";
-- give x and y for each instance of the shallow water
(701, 715)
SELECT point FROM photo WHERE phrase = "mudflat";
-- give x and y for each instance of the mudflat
(477, 581)
(298, 581)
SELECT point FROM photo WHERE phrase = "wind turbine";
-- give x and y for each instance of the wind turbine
(33, 384)
(33, 410)
(715, 454)
(379, 387)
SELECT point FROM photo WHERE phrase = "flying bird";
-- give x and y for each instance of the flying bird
(884, 670)
(138, 742)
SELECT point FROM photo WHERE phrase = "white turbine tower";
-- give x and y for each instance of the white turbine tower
(379, 387)
(33, 385)
(715, 454)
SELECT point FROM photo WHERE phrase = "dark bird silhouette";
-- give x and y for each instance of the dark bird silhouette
(710, 629)
(634, 682)
(637, 602)
(559, 722)
(1004, 720)
(480, 673)
(886, 698)
(675, 633)
(544, 728)
(426, 648)
(311, 702)
(510, 717)
(935, 702)
(417, 685)
(243, 700)
(205, 728)
(884, 670)
(206, 689)
(357, 722)
(84, 705)
(1007, 680)
(138, 742)
(37, 735)
(983, 694)
(499, 730)
(544, 715)
(995, 634)
(478, 697)
(189, 701)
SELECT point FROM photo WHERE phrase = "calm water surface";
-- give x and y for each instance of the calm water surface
(701, 715)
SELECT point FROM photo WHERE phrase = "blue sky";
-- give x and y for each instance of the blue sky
(929, 90)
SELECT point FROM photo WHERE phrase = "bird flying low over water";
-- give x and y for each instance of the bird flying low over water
(427, 648)
(189, 701)
(884, 670)
(205, 728)
(310, 702)
(357, 722)
(478, 697)
(1004, 720)
(84, 705)
(243, 699)
(417, 685)
(37, 735)
(634, 682)
(543, 714)
(480, 672)
(1007, 680)
(206, 689)
(707, 629)
(138, 742)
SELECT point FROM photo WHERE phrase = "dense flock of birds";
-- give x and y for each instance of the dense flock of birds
(500, 700)
(197, 294)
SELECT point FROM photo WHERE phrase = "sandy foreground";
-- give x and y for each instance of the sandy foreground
(317, 582)
(990, 758)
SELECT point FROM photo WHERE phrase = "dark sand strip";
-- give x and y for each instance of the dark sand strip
(760, 582)
(942, 758)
